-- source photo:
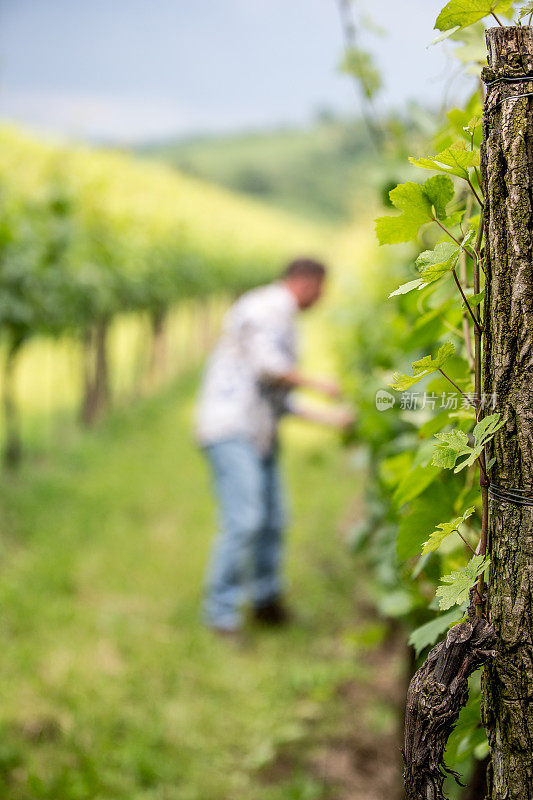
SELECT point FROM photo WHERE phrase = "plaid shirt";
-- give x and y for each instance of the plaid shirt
(239, 394)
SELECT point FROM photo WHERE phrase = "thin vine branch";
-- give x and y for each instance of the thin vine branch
(464, 281)
(465, 541)
(439, 223)
(478, 198)
(466, 397)
(467, 304)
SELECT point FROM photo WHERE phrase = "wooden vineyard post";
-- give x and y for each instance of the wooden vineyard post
(507, 178)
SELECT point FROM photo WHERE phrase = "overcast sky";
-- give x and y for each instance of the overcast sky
(129, 70)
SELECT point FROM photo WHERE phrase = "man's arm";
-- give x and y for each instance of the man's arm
(339, 417)
(298, 380)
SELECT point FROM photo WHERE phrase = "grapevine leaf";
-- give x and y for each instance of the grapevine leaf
(473, 124)
(427, 364)
(422, 367)
(445, 529)
(405, 288)
(461, 13)
(455, 443)
(360, 64)
(411, 199)
(429, 633)
(454, 219)
(416, 202)
(402, 382)
(433, 264)
(468, 238)
(452, 444)
(471, 50)
(440, 191)
(454, 160)
(485, 430)
(474, 300)
(455, 587)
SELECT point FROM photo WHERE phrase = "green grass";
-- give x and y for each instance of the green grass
(110, 687)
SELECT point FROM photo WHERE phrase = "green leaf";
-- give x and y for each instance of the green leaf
(405, 288)
(429, 633)
(461, 13)
(445, 529)
(485, 430)
(526, 10)
(473, 124)
(455, 587)
(396, 603)
(474, 299)
(432, 267)
(454, 219)
(454, 160)
(422, 367)
(482, 750)
(428, 364)
(416, 202)
(436, 503)
(411, 199)
(468, 238)
(433, 264)
(401, 382)
(471, 50)
(360, 64)
(452, 444)
(440, 191)
(414, 483)
(455, 443)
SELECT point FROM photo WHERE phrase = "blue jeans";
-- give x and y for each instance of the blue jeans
(246, 556)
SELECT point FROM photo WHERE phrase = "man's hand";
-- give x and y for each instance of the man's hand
(340, 417)
(326, 386)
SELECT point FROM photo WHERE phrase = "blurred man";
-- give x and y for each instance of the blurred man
(246, 389)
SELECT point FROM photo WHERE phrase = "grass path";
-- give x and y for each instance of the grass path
(109, 686)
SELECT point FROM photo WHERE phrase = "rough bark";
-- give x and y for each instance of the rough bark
(436, 695)
(507, 178)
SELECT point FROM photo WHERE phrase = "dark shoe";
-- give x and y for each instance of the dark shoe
(272, 613)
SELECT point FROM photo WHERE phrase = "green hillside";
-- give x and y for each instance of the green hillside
(323, 171)
(316, 171)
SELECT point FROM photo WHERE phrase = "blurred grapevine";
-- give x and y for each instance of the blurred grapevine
(87, 235)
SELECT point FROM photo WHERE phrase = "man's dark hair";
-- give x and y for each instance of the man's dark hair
(305, 266)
